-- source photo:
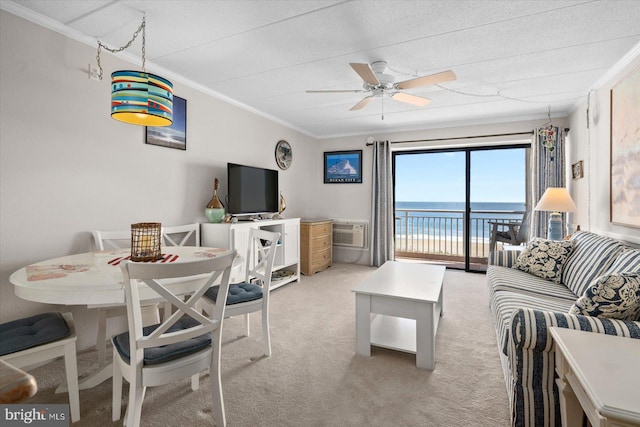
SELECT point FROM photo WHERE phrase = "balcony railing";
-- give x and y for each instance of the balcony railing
(439, 234)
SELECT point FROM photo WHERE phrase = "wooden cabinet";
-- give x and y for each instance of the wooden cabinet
(286, 265)
(315, 245)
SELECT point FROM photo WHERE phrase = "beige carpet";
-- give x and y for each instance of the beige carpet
(314, 377)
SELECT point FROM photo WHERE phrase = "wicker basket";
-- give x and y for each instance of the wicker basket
(145, 241)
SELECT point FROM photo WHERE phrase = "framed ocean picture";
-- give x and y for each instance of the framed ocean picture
(174, 136)
(343, 167)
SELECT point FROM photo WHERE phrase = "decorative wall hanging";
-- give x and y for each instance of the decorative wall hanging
(174, 136)
(577, 170)
(343, 167)
(548, 133)
(284, 155)
(625, 151)
(138, 97)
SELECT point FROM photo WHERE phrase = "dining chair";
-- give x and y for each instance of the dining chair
(181, 235)
(252, 295)
(183, 345)
(511, 233)
(41, 338)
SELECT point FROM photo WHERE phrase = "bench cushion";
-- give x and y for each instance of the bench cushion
(33, 331)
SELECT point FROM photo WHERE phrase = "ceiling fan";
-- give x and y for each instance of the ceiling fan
(379, 84)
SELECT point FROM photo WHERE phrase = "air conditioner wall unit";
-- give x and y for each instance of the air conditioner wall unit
(350, 234)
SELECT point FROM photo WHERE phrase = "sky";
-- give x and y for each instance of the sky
(496, 176)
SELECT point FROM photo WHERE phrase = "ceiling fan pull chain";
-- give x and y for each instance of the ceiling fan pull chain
(382, 106)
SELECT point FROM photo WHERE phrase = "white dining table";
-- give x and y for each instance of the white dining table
(94, 279)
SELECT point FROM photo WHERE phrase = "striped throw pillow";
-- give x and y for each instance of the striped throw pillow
(627, 261)
(592, 256)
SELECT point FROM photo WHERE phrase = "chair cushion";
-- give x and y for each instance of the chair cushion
(615, 295)
(165, 353)
(545, 258)
(33, 331)
(592, 256)
(238, 292)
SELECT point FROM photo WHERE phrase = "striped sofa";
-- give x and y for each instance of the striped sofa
(524, 306)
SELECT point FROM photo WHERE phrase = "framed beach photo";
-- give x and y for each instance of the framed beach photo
(343, 167)
(174, 136)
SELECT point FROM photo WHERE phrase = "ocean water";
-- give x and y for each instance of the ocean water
(448, 220)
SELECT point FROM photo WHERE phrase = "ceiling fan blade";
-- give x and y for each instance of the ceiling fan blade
(432, 79)
(360, 105)
(336, 91)
(365, 73)
(411, 99)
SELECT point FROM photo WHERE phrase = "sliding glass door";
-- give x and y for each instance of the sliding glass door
(447, 201)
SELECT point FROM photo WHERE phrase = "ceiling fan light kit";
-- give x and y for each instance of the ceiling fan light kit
(378, 85)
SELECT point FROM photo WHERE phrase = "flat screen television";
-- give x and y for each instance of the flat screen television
(251, 190)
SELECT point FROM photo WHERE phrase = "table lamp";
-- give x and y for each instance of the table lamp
(556, 200)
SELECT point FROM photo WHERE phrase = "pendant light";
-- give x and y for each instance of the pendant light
(138, 97)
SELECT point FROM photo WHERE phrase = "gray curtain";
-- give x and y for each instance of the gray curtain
(547, 170)
(382, 214)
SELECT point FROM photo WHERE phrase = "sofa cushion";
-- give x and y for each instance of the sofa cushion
(513, 280)
(545, 258)
(592, 256)
(503, 258)
(506, 303)
(615, 296)
(627, 261)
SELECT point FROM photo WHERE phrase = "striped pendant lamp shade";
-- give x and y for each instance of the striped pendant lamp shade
(141, 98)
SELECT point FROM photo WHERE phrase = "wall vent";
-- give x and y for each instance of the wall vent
(351, 234)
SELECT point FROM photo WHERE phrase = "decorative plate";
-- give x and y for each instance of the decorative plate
(284, 155)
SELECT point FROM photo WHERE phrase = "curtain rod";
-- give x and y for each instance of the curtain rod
(461, 137)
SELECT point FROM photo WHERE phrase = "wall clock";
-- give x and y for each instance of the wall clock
(284, 155)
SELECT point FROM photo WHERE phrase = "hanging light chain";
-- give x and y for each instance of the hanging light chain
(142, 28)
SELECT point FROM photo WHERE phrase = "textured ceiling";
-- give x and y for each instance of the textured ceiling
(512, 58)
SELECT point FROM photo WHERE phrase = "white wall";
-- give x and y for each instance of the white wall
(353, 201)
(66, 167)
(592, 146)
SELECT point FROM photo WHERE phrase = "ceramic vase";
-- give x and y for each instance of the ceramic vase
(215, 210)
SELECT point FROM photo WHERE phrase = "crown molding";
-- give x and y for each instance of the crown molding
(53, 25)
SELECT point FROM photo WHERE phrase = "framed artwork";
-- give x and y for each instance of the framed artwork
(577, 171)
(625, 154)
(343, 167)
(284, 155)
(174, 136)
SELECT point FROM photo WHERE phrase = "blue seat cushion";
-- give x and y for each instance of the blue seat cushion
(33, 331)
(165, 353)
(238, 292)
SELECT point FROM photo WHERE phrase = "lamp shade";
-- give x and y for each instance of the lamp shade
(556, 199)
(141, 98)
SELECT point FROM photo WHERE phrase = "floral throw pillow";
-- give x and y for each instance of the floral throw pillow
(615, 295)
(545, 258)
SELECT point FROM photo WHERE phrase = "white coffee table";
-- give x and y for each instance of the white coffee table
(406, 299)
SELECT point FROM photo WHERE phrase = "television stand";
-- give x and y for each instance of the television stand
(235, 235)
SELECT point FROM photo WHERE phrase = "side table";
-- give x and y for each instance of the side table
(598, 374)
